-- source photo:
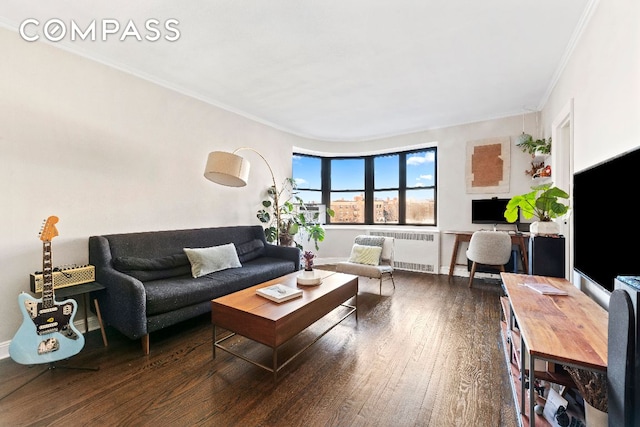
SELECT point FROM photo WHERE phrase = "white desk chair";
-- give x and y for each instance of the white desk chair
(492, 248)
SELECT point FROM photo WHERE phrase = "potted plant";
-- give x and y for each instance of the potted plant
(534, 147)
(593, 389)
(308, 257)
(286, 215)
(543, 203)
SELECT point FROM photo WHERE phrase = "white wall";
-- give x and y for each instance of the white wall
(602, 78)
(107, 153)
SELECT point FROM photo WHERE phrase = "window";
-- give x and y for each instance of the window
(307, 172)
(420, 187)
(393, 188)
(386, 189)
(347, 190)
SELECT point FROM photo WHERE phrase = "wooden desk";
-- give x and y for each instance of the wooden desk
(465, 236)
(566, 329)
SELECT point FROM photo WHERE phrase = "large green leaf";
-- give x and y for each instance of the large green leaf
(542, 202)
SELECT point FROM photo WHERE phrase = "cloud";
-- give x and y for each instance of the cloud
(420, 160)
(300, 181)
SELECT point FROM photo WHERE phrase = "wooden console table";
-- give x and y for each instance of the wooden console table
(566, 329)
(465, 236)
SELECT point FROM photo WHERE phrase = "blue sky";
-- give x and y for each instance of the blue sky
(348, 174)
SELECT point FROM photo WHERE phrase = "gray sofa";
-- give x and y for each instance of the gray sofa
(148, 279)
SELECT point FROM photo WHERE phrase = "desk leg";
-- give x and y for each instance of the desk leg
(532, 394)
(523, 378)
(99, 315)
(86, 313)
(510, 333)
(454, 256)
(525, 256)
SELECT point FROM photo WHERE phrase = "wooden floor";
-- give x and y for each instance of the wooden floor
(427, 354)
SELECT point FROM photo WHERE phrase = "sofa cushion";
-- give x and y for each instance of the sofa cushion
(128, 263)
(250, 250)
(363, 254)
(171, 294)
(145, 269)
(209, 260)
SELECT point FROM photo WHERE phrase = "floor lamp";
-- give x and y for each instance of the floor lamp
(232, 170)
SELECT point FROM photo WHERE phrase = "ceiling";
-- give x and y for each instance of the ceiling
(334, 70)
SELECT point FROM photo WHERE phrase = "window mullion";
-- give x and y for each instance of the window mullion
(325, 178)
(368, 190)
(402, 191)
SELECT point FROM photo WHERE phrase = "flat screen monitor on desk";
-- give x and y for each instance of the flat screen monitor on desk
(489, 211)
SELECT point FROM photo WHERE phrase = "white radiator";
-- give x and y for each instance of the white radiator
(415, 251)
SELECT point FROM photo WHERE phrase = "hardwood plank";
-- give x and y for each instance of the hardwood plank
(428, 353)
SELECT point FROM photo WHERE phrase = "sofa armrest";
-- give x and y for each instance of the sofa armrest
(289, 253)
(123, 302)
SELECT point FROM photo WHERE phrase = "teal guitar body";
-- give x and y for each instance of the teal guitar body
(47, 333)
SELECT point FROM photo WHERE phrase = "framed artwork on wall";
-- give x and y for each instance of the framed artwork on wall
(488, 165)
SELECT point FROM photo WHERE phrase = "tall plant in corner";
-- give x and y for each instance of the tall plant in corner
(543, 203)
(294, 217)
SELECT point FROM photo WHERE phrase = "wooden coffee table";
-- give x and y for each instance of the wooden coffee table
(273, 324)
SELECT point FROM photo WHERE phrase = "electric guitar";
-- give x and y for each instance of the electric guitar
(47, 333)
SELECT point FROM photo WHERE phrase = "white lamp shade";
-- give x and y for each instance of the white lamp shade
(227, 169)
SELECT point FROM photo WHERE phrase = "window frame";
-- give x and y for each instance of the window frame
(369, 189)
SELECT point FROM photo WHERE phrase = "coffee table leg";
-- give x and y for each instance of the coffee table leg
(214, 341)
(275, 364)
(355, 303)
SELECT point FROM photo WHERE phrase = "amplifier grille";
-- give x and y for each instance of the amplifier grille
(66, 277)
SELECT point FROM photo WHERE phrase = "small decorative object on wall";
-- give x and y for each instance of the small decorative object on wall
(534, 147)
(488, 165)
(542, 202)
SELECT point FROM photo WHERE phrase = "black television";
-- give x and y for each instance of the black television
(489, 211)
(604, 234)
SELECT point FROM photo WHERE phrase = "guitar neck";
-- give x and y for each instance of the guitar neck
(48, 297)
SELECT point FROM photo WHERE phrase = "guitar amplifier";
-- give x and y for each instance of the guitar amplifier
(64, 277)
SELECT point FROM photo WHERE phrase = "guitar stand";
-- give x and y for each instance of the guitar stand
(51, 366)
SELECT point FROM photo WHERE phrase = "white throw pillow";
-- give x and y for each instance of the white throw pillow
(362, 254)
(208, 260)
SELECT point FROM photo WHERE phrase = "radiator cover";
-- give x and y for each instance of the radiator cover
(415, 250)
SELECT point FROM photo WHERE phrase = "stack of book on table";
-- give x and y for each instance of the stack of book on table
(279, 293)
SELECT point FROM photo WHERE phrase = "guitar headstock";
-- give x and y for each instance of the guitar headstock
(49, 230)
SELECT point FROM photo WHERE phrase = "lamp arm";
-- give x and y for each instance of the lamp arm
(275, 188)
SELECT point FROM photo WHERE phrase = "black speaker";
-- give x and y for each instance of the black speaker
(621, 360)
(631, 286)
(510, 267)
(546, 256)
